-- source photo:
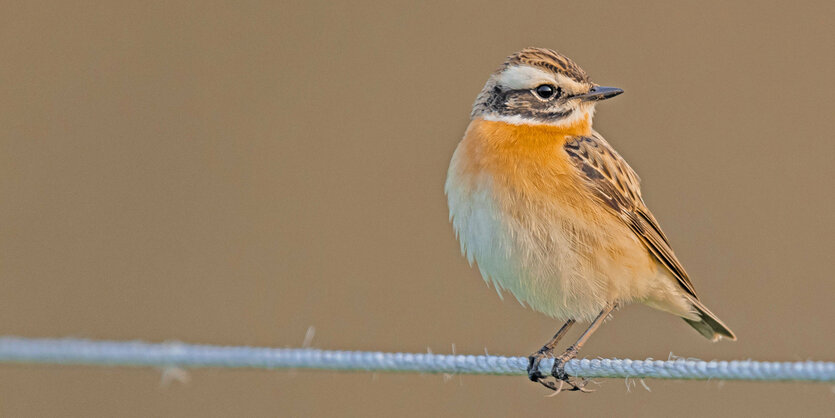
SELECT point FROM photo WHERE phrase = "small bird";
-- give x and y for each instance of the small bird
(552, 213)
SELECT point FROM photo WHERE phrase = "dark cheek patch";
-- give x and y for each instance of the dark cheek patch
(561, 114)
(496, 101)
(522, 103)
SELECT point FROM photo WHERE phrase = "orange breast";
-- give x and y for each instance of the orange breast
(525, 162)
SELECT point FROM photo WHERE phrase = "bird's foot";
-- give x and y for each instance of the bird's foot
(533, 366)
(562, 378)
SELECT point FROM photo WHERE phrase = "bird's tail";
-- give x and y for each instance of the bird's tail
(708, 324)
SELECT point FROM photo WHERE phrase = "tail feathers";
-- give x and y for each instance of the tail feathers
(708, 324)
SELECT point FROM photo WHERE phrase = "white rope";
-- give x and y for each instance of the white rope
(141, 354)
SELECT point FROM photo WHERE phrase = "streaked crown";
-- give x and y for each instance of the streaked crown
(548, 60)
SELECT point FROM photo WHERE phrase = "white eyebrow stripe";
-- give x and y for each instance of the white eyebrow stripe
(522, 77)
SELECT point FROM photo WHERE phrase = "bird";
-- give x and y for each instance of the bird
(551, 213)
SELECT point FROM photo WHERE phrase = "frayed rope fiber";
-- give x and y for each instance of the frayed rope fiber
(141, 354)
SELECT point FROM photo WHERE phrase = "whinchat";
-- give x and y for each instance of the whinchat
(552, 213)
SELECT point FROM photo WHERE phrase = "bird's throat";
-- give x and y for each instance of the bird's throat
(520, 128)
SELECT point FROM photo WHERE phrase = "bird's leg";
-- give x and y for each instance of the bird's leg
(547, 350)
(558, 371)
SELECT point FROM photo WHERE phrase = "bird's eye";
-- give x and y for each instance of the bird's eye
(547, 91)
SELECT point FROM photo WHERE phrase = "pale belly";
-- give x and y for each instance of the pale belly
(546, 255)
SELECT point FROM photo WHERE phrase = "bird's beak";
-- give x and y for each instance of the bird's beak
(599, 93)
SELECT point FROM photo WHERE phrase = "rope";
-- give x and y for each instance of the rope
(142, 354)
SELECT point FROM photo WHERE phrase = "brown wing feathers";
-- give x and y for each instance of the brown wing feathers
(617, 185)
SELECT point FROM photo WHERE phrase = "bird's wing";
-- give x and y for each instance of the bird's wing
(618, 187)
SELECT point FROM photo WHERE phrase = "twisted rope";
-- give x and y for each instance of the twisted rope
(142, 354)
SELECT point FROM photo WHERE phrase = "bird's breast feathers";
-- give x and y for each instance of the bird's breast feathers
(522, 211)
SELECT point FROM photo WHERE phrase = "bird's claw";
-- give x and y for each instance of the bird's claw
(533, 370)
(558, 370)
(561, 379)
(533, 366)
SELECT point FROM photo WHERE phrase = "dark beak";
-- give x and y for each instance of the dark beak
(599, 93)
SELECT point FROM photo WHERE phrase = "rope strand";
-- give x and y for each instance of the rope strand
(141, 354)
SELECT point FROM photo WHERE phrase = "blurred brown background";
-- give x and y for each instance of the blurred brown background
(234, 173)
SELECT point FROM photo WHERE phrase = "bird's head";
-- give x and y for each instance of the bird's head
(540, 86)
